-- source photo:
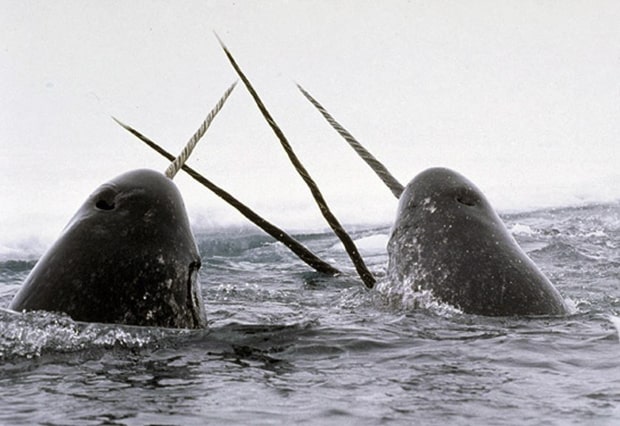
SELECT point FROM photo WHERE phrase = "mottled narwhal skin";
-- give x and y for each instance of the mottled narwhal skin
(448, 239)
(128, 256)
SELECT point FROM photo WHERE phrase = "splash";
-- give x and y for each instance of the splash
(616, 322)
(31, 334)
(404, 295)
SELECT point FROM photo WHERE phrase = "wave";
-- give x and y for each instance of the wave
(592, 221)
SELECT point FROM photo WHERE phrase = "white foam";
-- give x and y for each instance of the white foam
(371, 245)
(374, 244)
(29, 248)
(616, 322)
(519, 229)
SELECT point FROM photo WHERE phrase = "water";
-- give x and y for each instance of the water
(286, 344)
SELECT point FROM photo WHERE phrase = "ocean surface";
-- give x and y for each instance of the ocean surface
(288, 345)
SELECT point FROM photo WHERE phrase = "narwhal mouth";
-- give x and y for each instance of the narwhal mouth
(194, 303)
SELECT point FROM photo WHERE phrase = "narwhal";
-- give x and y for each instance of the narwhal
(448, 239)
(128, 256)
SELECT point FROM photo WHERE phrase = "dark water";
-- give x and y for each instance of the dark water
(289, 345)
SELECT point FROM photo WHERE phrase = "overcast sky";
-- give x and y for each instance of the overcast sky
(523, 97)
